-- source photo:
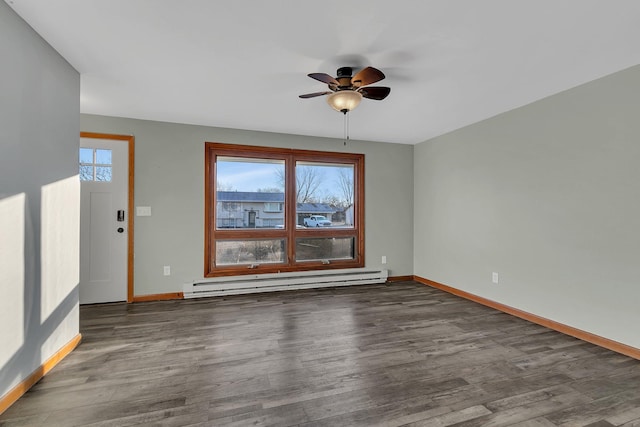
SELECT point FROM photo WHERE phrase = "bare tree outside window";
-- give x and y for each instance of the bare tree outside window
(332, 200)
(103, 173)
(345, 185)
(224, 186)
(86, 173)
(308, 182)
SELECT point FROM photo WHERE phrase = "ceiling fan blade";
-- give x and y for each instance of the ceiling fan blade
(366, 76)
(324, 78)
(313, 95)
(375, 92)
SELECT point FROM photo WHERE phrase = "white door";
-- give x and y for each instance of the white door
(104, 195)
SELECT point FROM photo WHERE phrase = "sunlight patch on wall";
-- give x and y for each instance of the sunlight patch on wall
(60, 242)
(12, 221)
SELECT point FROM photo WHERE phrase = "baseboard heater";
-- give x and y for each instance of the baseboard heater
(233, 285)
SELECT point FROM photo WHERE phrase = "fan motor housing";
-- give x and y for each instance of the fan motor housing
(343, 76)
(344, 72)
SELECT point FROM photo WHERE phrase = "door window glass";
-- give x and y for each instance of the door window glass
(95, 164)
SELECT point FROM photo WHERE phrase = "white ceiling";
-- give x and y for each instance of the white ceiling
(243, 63)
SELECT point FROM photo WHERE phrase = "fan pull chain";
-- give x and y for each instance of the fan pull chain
(346, 128)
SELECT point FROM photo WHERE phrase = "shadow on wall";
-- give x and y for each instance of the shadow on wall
(39, 275)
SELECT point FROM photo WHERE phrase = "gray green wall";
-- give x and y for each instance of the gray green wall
(548, 196)
(169, 177)
(39, 200)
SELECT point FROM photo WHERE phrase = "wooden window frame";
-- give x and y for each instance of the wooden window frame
(290, 232)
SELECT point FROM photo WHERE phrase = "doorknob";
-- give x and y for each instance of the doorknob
(120, 230)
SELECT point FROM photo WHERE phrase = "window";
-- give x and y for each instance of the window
(273, 207)
(230, 206)
(272, 210)
(95, 164)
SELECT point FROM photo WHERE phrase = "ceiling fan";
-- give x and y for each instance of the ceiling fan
(347, 91)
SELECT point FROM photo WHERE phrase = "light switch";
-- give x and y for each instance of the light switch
(143, 210)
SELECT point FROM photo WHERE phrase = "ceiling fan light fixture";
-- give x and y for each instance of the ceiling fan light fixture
(344, 101)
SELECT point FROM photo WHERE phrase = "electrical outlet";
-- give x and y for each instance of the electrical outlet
(167, 270)
(384, 259)
(495, 277)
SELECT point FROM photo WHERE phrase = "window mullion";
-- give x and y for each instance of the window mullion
(290, 207)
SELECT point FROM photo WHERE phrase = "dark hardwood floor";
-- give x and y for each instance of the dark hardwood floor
(390, 355)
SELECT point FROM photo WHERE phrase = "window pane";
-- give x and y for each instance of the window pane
(86, 155)
(324, 194)
(231, 252)
(316, 249)
(103, 157)
(103, 173)
(250, 193)
(86, 173)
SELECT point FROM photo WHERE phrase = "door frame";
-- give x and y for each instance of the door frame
(130, 139)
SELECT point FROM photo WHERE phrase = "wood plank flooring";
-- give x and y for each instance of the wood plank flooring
(388, 355)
